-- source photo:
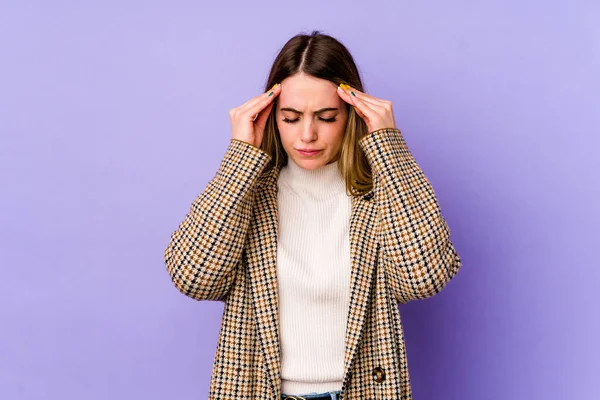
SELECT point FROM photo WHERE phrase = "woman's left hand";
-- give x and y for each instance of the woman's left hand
(375, 112)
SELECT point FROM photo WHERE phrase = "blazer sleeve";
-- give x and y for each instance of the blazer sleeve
(417, 253)
(203, 254)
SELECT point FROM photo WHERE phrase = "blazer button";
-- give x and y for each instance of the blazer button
(378, 374)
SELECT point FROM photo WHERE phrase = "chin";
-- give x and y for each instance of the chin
(310, 163)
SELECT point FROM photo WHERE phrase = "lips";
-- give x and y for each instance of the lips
(308, 152)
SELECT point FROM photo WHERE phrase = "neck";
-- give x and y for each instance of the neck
(322, 182)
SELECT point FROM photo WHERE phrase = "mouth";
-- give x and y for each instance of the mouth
(308, 152)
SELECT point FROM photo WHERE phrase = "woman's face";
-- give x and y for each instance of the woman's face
(310, 115)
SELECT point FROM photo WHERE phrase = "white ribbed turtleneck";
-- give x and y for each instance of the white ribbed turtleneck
(313, 271)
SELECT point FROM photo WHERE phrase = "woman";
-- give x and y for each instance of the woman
(316, 225)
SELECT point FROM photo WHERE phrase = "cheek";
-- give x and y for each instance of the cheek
(286, 133)
(336, 131)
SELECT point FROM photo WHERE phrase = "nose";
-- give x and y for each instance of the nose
(309, 133)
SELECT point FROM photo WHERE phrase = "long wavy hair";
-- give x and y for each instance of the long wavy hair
(321, 56)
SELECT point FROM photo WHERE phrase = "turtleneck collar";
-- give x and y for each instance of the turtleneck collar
(321, 182)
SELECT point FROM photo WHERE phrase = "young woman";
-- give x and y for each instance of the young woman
(316, 225)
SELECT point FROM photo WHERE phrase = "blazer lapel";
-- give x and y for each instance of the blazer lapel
(363, 262)
(262, 249)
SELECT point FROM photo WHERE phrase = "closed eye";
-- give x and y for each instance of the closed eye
(292, 121)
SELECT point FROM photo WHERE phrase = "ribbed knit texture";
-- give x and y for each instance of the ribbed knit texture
(313, 272)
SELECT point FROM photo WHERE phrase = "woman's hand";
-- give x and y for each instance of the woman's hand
(375, 112)
(248, 120)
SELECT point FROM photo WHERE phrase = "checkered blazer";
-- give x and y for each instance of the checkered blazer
(225, 250)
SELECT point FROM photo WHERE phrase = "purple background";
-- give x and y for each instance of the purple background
(113, 118)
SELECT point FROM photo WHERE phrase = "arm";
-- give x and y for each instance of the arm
(417, 253)
(204, 252)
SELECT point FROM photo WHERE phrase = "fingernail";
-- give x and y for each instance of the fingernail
(347, 87)
(272, 88)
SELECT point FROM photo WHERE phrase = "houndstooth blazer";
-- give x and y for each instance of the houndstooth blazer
(225, 250)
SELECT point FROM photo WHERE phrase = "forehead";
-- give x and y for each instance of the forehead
(304, 92)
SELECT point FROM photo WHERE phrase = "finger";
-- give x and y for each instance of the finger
(344, 95)
(360, 94)
(376, 106)
(261, 101)
(362, 109)
(381, 108)
(248, 103)
(262, 116)
(375, 101)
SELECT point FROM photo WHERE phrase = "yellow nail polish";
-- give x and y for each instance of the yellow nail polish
(274, 86)
(344, 86)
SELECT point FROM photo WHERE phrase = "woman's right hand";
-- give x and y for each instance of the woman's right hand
(245, 124)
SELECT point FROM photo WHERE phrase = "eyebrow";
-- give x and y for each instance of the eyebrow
(322, 110)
